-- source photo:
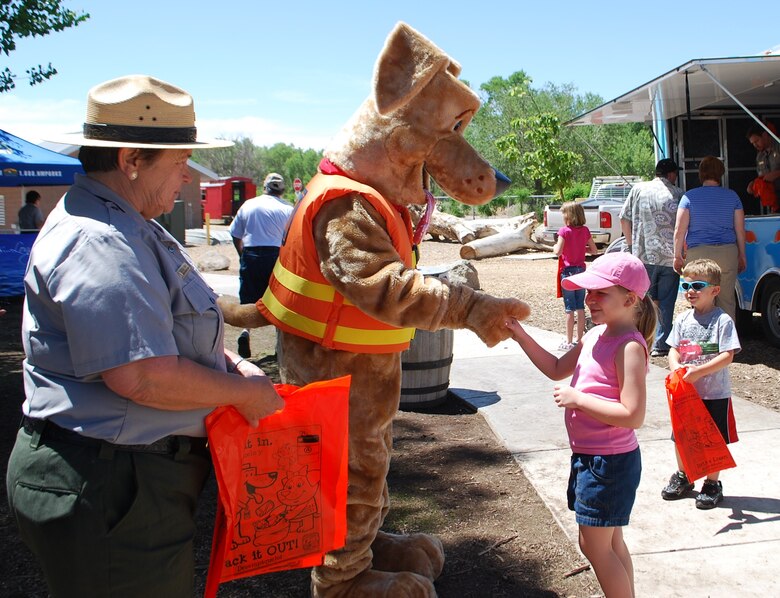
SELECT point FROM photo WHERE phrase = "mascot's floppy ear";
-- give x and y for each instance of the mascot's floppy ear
(407, 63)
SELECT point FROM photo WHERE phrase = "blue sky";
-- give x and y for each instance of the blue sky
(294, 72)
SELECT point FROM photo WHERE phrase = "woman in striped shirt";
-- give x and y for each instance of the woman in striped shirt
(711, 224)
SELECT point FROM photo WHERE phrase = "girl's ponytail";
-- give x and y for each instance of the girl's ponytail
(647, 320)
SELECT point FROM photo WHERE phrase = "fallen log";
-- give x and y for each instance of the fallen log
(506, 241)
(453, 228)
(457, 229)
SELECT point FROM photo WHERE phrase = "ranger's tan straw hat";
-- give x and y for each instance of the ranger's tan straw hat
(141, 112)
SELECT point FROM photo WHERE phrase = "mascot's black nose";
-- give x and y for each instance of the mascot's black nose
(502, 182)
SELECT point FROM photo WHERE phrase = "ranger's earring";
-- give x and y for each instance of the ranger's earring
(133, 175)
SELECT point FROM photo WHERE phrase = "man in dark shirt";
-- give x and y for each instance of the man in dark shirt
(30, 216)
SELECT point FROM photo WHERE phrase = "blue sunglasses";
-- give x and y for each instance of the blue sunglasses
(696, 285)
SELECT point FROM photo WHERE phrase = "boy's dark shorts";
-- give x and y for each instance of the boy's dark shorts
(722, 414)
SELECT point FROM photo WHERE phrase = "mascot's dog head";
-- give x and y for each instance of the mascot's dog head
(413, 123)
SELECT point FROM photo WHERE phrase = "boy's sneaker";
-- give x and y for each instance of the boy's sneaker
(243, 345)
(564, 346)
(711, 494)
(678, 486)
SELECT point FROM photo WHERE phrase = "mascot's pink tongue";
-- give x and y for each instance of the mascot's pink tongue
(425, 220)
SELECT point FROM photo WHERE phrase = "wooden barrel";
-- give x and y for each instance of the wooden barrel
(425, 368)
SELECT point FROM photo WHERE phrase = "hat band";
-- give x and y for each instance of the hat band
(130, 134)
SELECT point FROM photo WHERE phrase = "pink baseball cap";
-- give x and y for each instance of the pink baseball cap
(617, 268)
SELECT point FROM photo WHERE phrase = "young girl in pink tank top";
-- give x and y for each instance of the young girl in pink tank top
(574, 241)
(604, 404)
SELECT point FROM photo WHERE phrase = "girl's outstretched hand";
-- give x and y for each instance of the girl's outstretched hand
(515, 328)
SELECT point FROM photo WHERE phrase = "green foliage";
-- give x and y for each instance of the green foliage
(519, 194)
(450, 206)
(32, 18)
(246, 159)
(492, 207)
(545, 159)
(486, 209)
(576, 190)
(606, 149)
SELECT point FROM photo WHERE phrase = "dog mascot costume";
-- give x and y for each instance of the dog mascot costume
(346, 297)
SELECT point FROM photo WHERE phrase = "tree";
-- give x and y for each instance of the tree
(246, 159)
(502, 101)
(610, 149)
(31, 18)
(547, 161)
(240, 159)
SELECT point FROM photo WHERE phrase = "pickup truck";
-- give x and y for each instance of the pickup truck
(602, 210)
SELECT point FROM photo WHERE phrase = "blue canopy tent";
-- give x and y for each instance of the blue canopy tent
(14, 251)
(24, 164)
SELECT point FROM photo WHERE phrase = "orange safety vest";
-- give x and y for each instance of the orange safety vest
(299, 299)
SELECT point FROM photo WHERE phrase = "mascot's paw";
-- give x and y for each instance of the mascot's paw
(241, 316)
(488, 315)
(377, 584)
(417, 553)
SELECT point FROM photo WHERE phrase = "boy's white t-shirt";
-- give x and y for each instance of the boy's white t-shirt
(699, 338)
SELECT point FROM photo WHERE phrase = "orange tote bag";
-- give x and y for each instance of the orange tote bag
(699, 442)
(282, 486)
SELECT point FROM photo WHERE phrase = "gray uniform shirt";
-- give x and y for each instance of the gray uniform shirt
(769, 160)
(105, 287)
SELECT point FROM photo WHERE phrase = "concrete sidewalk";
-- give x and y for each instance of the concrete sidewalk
(677, 549)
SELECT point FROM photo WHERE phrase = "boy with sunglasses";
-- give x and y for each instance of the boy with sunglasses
(703, 341)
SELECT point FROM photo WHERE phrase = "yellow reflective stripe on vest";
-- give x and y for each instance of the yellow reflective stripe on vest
(343, 334)
(291, 318)
(302, 286)
(360, 336)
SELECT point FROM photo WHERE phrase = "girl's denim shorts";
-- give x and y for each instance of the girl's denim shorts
(602, 488)
(572, 300)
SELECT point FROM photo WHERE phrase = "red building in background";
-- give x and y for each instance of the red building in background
(222, 198)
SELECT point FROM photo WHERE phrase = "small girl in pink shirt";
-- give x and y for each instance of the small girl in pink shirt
(573, 241)
(604, 404)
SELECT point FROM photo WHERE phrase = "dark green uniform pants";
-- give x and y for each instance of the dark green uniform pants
(107, 522)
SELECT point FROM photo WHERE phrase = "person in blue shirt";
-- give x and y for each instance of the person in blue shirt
(711, 224)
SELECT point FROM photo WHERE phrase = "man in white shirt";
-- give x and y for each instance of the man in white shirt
(257, 231)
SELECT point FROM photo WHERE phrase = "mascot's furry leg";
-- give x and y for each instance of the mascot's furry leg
(365, 513)
(373, 403)
(420, 553)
